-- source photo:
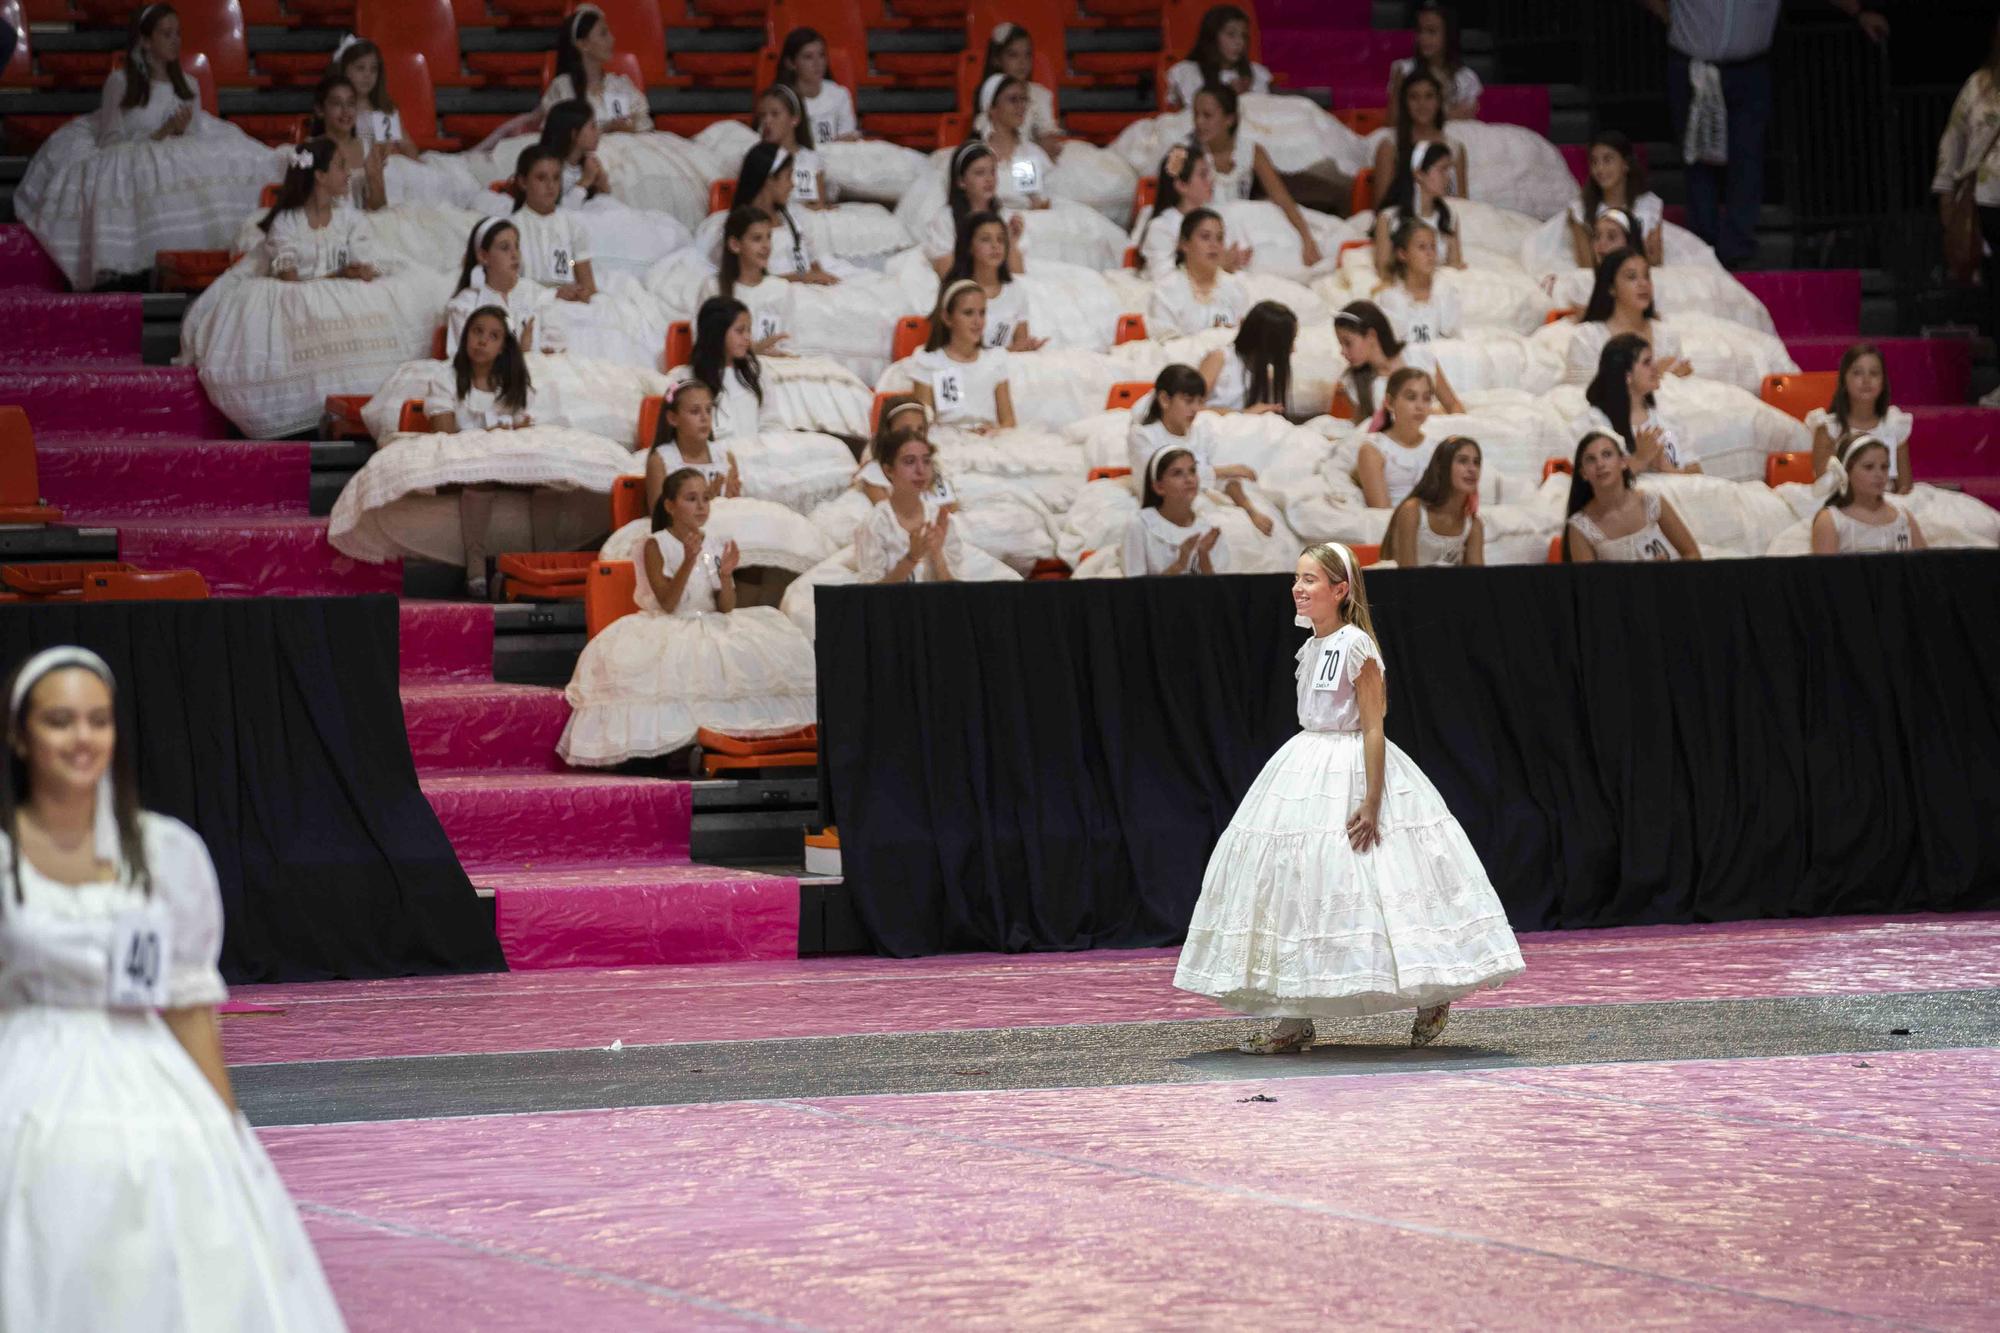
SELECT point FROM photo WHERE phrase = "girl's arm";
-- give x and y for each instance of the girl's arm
(586, 281)
(1362, 830)
(1464, 181)
(1825, 537)
(1656, 247)
(1446, 398)
(725, 592)
(1395, 95)
(1579, 245)
(1581, 552)
(1904, 481)
(823, 199)
(667, 591)
(442, 423)
(656, 478)
(1382, 248)
(1368, 471)
(1003, 404)
(1211, 371)
(937, 546)
(200, 1035)
(1402, 535)
(1275, 191)
(1454, 254)
(1233, 488)
(1385, 170)
(1917, 542)
(375, 187)
(1822, 450)
(1024, 339)
(1677, 532)
(1475, 544)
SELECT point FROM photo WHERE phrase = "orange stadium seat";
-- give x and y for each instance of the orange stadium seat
(628, 501)
(1126, 393)
(875, 410)
(215, 29)
(680, 343)
(1551, 466)
(409, 76)
(1342, 405)
(545, 576)
(427, 28)
(912, 332)
(1363, 120)
(1362, 197)
(1108, 473)
(650, 408)
(722, 752)
(20, 480)
(1131, 259)
(1556, 549)
(145, 585)
(55, 582)
(721, 196)
(413, 419)
(607, 594)
(1130, 329)
(1557, 316)
(1788, 466)
(1797, 394)
(1366, 553)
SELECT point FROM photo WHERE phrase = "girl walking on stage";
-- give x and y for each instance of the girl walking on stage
(1343, 886)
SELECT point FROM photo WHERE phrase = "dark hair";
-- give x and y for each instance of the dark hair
(1602, 302)
(1434, 487)
(1148, 497)
(1405, 138)
(663, 517)
(1167, 191)
(1188, 224)
(961, 255)
(139, 74)
(322, 90)
(741, 220)
(1607, 392)
(1453, 60)
(297, 186)
(892, 406)
(1396, 381)
(752, 176)
(1175, 379)
(797, 40)
(1264, 343)
(1840, 407)
(962, 158)
(124, 783)
(563, 123)
(1635, 175)
(1207, 43)
(711, 331)
(1004, 36)
(378, 96)
(1225, 97)
(940, 335)
(1399, 240)
(1402, 195)
(886, 447)
(1847, 449)
(1366, 317)
(473, 247)
(1580, 491)
(531, 157)
(670, 406)
(569, 55)
(511, 381)
(784, 92)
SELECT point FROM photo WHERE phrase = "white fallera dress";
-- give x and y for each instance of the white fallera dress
(1153, 542)
(1184, 80)
(527, 301)
(649, 681)
(1439, 317)
(434, 178)
(1176, 308)
(1435, 548)
(620, 322)
(1402, 465)
(1857, 537)
(623, 239)
(1648, 543)
(130, 1197)
(103, 197)
(1294, 923)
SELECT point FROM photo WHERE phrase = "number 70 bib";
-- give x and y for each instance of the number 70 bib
(1326, 672)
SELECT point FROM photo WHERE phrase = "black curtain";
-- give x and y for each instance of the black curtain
(274, 729)
(1045, 766)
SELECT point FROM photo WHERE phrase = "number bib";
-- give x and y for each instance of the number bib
(1655, 549)
(139, 950)
(805, 185)
(942, 490)
(822, 129)
(1027, 175)
(948, 387)
(380, 125)
(616, 106)
(1326, 672)
(767, 325)
(559, 261)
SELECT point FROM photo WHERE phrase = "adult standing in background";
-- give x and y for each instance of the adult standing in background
(1719, 58)
(1969, 154)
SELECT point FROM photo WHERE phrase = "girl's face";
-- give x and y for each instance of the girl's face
(980, 181)
(1358, 346)
(967, 319)
(776, 191)
(1211, 124)
(1199, 188)
(689, 506)
(502, 256)
(68, 733)
(1178, 480)
(1643, 378)
(1315, 594)
(693, 415)
(1232, 41)
(1412, 404)
(1465, 470)
(1010, 107)
(364, 72)
(1430, 36)
(1604, 466)
(1204, 247)
(1607, 235)
(587, 138)
(163, 44)
(1420, 256)
(1435, 179)
(338, 111)
(776, 123)
(911, 468)
(543, 185)
(1178, 411)
(1868, 474)
(753, 248)
(810, 67)
(601, 45)
(332, 183)
(736, 343)
(1421, 100)
(1017, 58)
(989, 246)
(1632, 289)
(484, 337)
(1607, 167)
(1864, 382)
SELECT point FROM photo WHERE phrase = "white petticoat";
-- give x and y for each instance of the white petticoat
(600, 397)
(1293, 923)
(658, 172)
(766, 535)
(433, 178)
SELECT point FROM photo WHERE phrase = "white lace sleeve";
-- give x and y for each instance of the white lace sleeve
(290, 243)
(110, 117)
(872, 558)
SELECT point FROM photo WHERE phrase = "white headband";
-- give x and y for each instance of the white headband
(347, 40)
(576, 19)
(1159, 456)
(104, 824)
(986, 91)
(1417, 157)
(1836, 467)
(903, 409)
(1624, 218)
(965, 155)
(945, 296)
(1346, 560)
(1003, 33)
(791, 95)
(482, 230)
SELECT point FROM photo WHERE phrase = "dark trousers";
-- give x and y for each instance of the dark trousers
(1989, 227)
(1723, 201)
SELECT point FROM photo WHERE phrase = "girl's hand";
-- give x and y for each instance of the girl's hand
(935, 535)
(528, 335)
(285, 274)
(1680, 366)
(377, 159)
(523, 421)
(571, 291)
(730, 557)
(690, 547)
(1652, 445)
(176, 123)
(1309, 251)
(732, 485)
(360, 272)
(1260, 410)
(1188, 550)
(1038, 202)
(1363, 832)
(773, 345)
(1262, 521)
(1206, 542)
(1017, 227)
(920, 539)
(1023, 343)
(821, 278)
(640, 120)
(1236, 258)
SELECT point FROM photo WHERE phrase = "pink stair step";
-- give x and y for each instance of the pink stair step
(1955, 443)
(1313, 14)
(1807, 303)
(1929, 372)
(39, 327)
(23, 262)
(614, 915)
(99, 480)
(518, 821)
(255, 557)
(119, 401)
(465, 726)
(1524, 104)
(446, 641)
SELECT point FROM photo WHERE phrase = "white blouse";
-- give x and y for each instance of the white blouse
(1005, 313)
(1465, 85)
(1857, 537)
(1143, 439)
(1240, 181)
(616, 98)
(831, 112)
(882, 541)
(1176, 309)
(1441, 316)
(713, 472)
(1893, 431)
(1402, 465)
(1153, 542)
(1024, 177)
(320, 252)
(940, 238)
(1232, 383)
(770, 303)
(1327, 671)
(1586, 348)
(698, 593)
(1435, 548)
(114, 124)
(526, 301)
(1648, 543)
(963, 393)
(480, 408)
(1158, 239)
(552, 245)
(1184, 80)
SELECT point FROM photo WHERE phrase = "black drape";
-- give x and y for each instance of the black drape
(1045, 766)
(272, 726)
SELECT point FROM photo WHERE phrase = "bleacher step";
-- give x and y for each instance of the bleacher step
(640, 915)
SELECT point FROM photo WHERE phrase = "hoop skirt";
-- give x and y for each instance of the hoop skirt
(1294, 923)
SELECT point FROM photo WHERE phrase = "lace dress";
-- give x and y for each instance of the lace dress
(1294, 923)
(1648, 543)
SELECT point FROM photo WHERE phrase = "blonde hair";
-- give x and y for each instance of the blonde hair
(1340, 565)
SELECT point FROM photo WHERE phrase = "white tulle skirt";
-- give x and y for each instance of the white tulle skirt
(766, 534)
(434, 178)
(130, 1197)
(1294, 923)
(648, 682)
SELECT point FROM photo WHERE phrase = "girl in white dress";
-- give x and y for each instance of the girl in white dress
(1373, 351)
(1220, 58)
(314, 230)
(1621, 302)
(1861, 403)
(1186, 182)
(1343, 886)
(690, 658)
(486, 387)
(745, 276)
(133, 1194)
(336, 112)
(1023, 167)
(982, 256)
(1167, 536)
(555, 243)
(1858, 516)
(1254, 373)
(1010, 50)
(1617, 179)
(1436, 523)
(1242, 165)
(1198, 294)
(1392, 460)
(1419, 118)
(765, 181)
(491, 276)
(1419, 309)
(725, 359)
(973, 173)
(1622, 401)
(149, 171)
(408, 176)
(909, 537)
(1611, 519)
(584, 46)
(1172, 417)
(829, 107)
(1418, 195)
(854, 234)
(621, 237)
(961, 381)
(781, 120)
(685, 437)
(1438, 53)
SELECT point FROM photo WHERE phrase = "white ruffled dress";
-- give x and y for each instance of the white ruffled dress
(1294, 923)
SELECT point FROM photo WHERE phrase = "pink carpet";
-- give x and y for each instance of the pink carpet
(56, 328)
(1807, 303)
(104, 478)
(23, 262)
(84, 398)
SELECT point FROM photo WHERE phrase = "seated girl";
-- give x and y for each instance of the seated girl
(584, 48)
(908, 537)
(1254, 373)
(745, 276)
(1621, 398)
(1419, 120)
(558, 250)
(764, 182)
(829, 107)
(959, 380)
(621, 237)
(1065, 230)
(1616, 179)
(487, 388)
(1010, 50)
(838, 518)
(825, 238)
(1858, 516)
(1418, 195)
(1373, 351)
(336, 110)
(691, 658)
(1611, 519)
(1186, 182)
(781, 120)
(982, 256)
(684, 438)
(1437, 55)
(725, 359)
(1198, 294)
(313, 230)
(1172, 417)
(1166, 536)
(1392, 459)
(408, 176)
(975, 188)
(1087, 175)
(491, 276)
(856, 168)
(1436, 524)
(1242, 165)
(1220, 58)
(150, 171)
(1621, 302)
(1419, 309)
(1861, 406)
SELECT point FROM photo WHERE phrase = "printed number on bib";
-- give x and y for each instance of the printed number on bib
(805, 185)
(822, 130)
(949, 388)
(942, 490)
(767, 325)
(1655, 549)
(560, 260)
(1326, 675)
(138, 963)
(1027, 176)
